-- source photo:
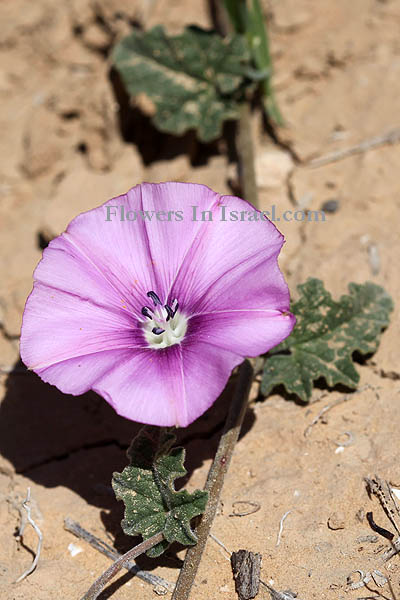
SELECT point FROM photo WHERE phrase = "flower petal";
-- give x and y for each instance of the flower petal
(171, 239)
(233, 265)
(206, 370)
(59, 326)
(246, 333)
(162, 387)
(108, 257)
(102, 255)
(78, 375)
(81, 325)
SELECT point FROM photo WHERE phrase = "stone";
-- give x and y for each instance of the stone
(272, 167)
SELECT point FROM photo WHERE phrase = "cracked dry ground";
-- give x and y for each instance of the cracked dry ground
(69, 141)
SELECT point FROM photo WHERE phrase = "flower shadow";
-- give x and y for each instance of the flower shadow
(78, 442)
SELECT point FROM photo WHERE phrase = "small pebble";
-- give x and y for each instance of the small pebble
(396, 492)
(330, 206)
(74, 549)
(160, 590)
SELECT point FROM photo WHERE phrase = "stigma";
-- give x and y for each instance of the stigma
(165, 325)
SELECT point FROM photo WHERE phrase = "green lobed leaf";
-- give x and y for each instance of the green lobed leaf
(147, 489)
(325, 336)
(193, 79)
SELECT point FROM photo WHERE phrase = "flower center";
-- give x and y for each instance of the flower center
(165, 326)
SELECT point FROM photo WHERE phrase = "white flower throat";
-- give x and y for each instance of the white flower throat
(165, 325)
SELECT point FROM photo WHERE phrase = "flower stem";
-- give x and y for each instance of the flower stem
(215, 480)
(257, 35)
(119, 564)
(245, 148)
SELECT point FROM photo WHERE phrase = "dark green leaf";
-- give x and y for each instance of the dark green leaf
(147, 490)
(325, 336)
(194, 79)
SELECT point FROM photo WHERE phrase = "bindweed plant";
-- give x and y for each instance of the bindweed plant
(198, 79)
(153, 309)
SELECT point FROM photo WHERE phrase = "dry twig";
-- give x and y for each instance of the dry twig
(119, 564)
(110, 552)
(383, 491)
(278, 539)
(215, 480)
(214, 537)
(392, 137)
(24, 521)
(246, 567)
(275, 595)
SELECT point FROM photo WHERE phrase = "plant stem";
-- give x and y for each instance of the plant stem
(119, 564)
(245, 148)
(215, 480)
(237, 409)
(257, 35)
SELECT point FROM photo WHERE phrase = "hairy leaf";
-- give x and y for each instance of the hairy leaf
(325, 336)
(147, 489)
(193, 79)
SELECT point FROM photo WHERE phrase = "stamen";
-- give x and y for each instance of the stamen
(146, 311)
(154, 297)
(169, 311)
(157, 330)
(166, 326)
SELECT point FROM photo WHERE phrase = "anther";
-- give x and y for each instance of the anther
(157, 330)
(146, 311)
(175, 304)
(154, 297)
(170, 312)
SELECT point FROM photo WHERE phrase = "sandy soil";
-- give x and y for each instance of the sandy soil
(70, 141)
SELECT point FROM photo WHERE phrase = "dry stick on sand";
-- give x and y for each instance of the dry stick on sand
(214, 485)
(384, 492)
(232, 427)
(119, 564)
(238, 406)
(392, 137)
(275, 595)
(28, 519)
(215, 481)
(110, 552)
(246, 567)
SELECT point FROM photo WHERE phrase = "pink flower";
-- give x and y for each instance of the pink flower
(153, 313)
